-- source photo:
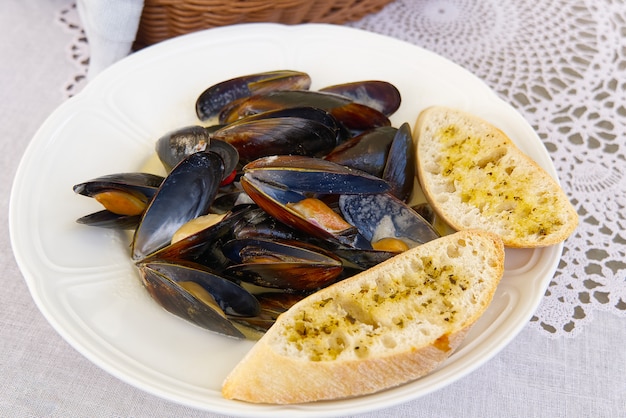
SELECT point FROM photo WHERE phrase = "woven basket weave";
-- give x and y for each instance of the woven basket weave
(164, 19)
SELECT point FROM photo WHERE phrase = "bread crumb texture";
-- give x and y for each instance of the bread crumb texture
(421, 299)
(477, 167)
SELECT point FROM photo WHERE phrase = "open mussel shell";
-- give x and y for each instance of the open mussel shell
(205, 246)
(380, 95)
(400, 165)
(122, 193)
(214, 98)
(186, 193)
(124, 196)
(312, 175)
(379, 216)
(322, 224)
(145, 183)
(259, 137)
(280, 185)
(291, 266)
(231, 298)
(202, 311)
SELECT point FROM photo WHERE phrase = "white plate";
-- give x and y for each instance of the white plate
(82, 278)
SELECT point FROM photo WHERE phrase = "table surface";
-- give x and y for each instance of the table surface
(561, 63)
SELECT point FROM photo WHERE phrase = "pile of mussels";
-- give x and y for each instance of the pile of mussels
(305, 188)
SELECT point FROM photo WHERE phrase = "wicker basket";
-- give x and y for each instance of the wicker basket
(164, 19)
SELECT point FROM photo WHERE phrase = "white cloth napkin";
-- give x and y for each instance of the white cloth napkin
(110, 27)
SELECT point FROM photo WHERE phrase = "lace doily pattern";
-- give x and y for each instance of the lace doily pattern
(78, 49)
(562, 64)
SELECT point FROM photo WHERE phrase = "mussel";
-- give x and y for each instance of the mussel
(286, 265)
(178, 144)
(124, 196)
(198, 295)
(380, 95)
(106, 219)
(367, 151)
(354, 116)
(384, 152)
(174, 146)
(285, 187)
(119, 193)
(259, 224)
(312, 175)
(205, 246)
(399, 170)
(306, 112)
(277, 100)
(214, 98)
(259, 137)
(382, 218)
(187, 192)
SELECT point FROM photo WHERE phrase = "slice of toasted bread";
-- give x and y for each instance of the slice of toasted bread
(386, 326)
(475, 177)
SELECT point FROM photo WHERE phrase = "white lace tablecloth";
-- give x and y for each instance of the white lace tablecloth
(561, 63)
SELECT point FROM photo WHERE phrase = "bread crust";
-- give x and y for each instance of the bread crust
(273, 372)
(474, 176)
(270, 378)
